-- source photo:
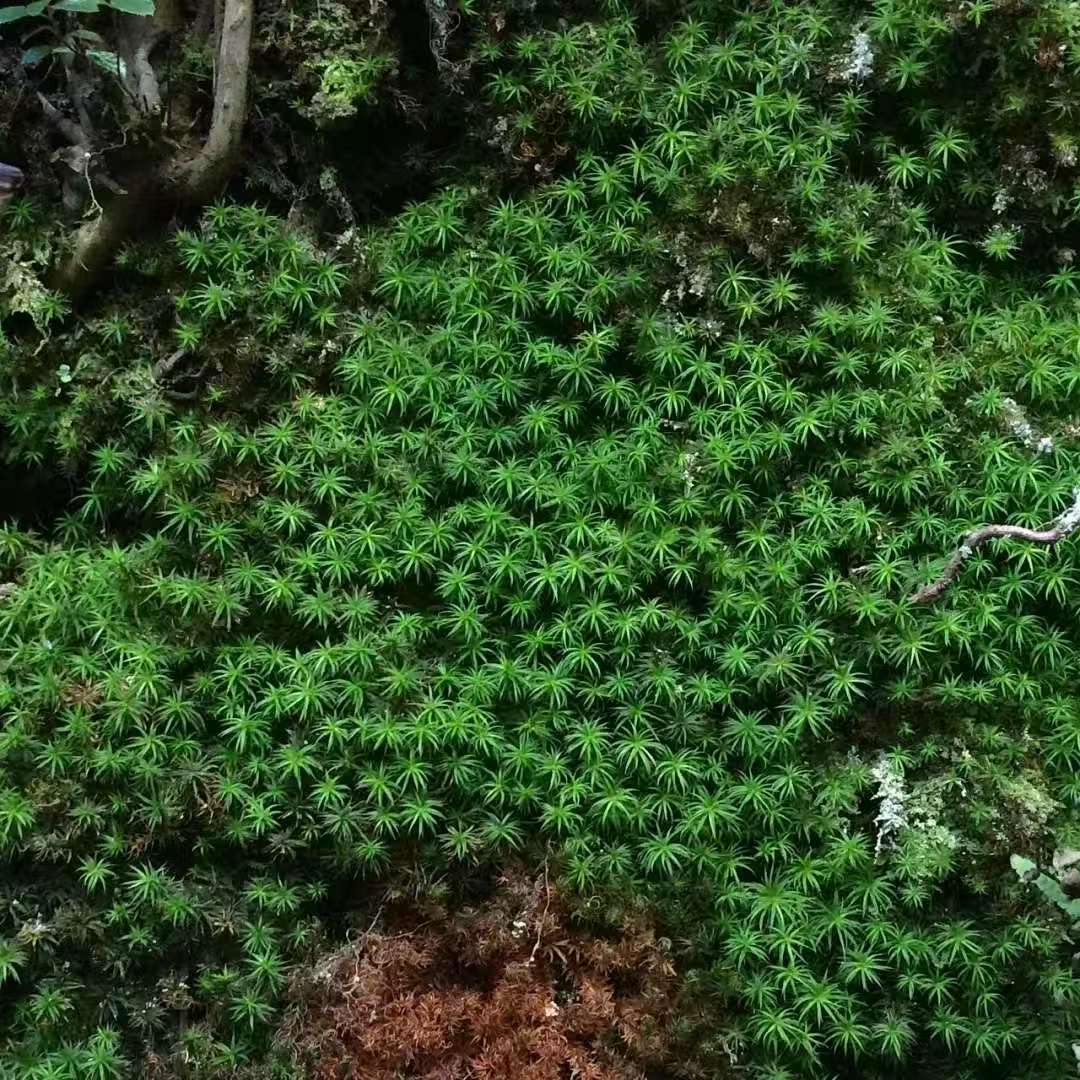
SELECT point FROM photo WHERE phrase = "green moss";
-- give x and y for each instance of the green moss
(579, 522)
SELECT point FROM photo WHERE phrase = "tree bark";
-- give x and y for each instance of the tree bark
(202, 178)
(173, 183)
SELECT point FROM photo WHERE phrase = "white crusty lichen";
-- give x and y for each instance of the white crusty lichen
(910, 819)
(892, 795)
(690, 469)
(1017, 422)
(1069, 521)
(860, 61)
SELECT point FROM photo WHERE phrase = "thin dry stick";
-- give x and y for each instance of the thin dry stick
(540, 922)
(1067, 523)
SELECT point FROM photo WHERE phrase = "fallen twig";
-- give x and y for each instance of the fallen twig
(540, 921)
(164, 367)
(1067, 523)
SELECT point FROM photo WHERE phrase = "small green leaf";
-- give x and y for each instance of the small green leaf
(23, 11)
(85, 6)
(108, 61)
(1052, 890)
(1023, 867)
(36, 54)
(133, 7)
(1055, 893)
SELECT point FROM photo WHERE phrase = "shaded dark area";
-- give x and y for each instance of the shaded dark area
(1021, 161)
(386, 159)
(424, 127)
(33, 497)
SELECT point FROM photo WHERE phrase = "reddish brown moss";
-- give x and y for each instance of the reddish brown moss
(508, 989)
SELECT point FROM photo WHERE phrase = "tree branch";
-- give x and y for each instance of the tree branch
(97, 242)
(141, 81)
(162, 187)
(68, 128)
(78, 91)
(202, 178)
(1067, 523)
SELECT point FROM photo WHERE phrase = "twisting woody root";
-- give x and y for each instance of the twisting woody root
(1067, 523)
(180, 179)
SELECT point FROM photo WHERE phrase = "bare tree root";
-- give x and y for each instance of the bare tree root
(97, 242)
(202, 178)
(1066, 524)
(174, 182)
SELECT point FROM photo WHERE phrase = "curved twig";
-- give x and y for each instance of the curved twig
(164, 367)
(1067, 523)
